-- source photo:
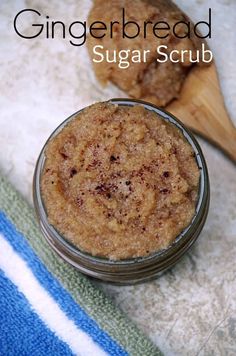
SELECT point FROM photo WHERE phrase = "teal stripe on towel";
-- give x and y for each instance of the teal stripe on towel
(98, 306)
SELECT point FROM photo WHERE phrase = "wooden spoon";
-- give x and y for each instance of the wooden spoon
(201, 107)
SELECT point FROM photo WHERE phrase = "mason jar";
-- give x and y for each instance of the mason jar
(134, 270)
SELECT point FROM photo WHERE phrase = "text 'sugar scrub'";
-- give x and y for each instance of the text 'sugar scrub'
(150, 56)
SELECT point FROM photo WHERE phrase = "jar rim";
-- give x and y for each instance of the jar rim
(66, 248)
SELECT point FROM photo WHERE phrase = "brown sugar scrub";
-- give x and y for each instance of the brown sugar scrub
(119, 182)
(146, 79)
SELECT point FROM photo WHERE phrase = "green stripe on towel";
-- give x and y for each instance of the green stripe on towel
(94, 302)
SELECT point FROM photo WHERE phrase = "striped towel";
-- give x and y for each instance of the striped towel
(46, 306)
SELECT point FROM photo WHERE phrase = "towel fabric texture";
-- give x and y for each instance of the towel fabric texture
(47, 307)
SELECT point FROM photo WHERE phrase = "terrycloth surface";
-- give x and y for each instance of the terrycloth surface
(47, 307)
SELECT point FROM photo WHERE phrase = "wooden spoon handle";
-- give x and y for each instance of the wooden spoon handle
(201, 107)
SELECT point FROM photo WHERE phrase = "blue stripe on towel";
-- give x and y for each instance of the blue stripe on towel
(27, 334)
(53, 287)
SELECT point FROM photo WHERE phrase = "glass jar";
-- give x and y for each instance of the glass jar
(133, 270)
